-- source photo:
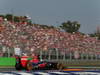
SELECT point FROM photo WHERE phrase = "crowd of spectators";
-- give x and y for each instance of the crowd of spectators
(33, 37)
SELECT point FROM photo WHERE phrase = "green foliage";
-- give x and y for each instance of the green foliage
(9, 17)
(12, 18)
(16, 19)
(95, 34)
(70, 26)
(2, 16)
(46, 26)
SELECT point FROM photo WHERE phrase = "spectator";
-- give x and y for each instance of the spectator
(38, 38)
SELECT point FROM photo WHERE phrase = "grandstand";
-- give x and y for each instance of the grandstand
(50, 43)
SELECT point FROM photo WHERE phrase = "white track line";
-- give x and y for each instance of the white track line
(42, 73)
(5, 74)
(23, 73)
(59, 72)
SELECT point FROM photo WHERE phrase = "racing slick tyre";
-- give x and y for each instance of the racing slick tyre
(29, 66)
(18, 66)
(60, 66)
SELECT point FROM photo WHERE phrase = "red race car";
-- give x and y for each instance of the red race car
(41, 65)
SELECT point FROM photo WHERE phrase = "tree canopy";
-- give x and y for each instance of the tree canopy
(70, 26)
(96, 34)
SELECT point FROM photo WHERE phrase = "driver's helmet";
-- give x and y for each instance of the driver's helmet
(33, 54)
(24, 54)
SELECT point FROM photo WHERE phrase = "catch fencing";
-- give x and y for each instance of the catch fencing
(55, 55)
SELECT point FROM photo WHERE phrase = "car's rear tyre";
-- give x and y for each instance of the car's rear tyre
(18, 66)
(29, 66)
(60, 66)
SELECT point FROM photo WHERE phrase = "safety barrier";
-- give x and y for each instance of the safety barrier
(7, 61)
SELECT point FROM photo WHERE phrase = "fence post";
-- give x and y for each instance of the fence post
(81, 56)
(95, 57)
(57, 53)
(64, 56)
(91, 57)
(70, 56)
(49, 55)
(8, 51)
(41, 55)
(87, 57)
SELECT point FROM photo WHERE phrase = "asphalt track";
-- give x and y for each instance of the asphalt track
(75, 71)
(67, 69)
(51, 72)
(13, 69)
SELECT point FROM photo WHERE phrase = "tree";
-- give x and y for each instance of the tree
(16, 19)
(2, 16)
(9, 17)
(96, 33)
(70, 26)
(46, 26)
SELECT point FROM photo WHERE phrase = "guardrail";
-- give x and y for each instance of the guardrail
(7, 61)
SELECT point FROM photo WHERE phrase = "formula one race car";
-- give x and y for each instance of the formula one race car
(42, 65)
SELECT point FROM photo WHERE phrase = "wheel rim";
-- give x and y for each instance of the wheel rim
(29, 66)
